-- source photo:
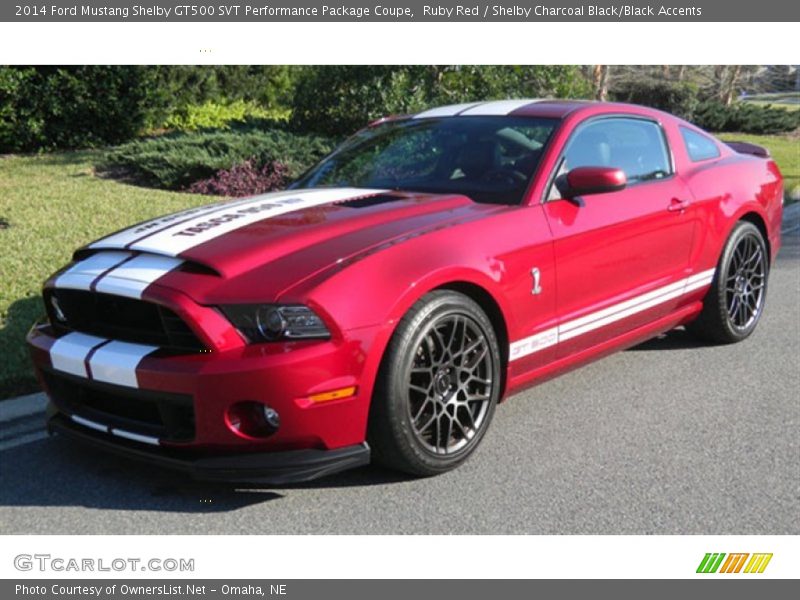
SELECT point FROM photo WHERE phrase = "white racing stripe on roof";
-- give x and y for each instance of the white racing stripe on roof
(445, 111)
(498, 107)
(132, 278)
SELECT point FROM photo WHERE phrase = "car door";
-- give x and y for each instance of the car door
(621, 256)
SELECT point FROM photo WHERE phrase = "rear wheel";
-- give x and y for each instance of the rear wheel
(735, 302)
(438, 386)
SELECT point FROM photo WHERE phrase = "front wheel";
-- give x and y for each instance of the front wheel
(735, 302)
(438, 387)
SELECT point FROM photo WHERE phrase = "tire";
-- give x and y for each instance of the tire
(438, 386)
(734, 304)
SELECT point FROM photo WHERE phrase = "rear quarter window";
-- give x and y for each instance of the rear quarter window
(698, 146)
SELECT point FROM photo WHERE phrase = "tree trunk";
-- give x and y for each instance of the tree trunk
(729, 91)
(600, 82)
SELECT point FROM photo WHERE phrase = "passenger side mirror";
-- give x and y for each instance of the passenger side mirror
(581, 181)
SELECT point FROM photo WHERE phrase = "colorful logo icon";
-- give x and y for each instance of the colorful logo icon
(713, 562)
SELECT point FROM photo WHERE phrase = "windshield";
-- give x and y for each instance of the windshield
(489, 159)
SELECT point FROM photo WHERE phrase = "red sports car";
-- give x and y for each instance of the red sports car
(385, 303)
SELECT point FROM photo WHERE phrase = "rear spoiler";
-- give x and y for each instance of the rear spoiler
(748, 148)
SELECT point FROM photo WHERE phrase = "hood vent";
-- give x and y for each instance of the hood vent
(371, 200)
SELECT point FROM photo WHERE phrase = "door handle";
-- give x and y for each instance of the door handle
(677, 205)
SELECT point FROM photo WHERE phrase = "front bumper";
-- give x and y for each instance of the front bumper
(172, 406)
(272, 468)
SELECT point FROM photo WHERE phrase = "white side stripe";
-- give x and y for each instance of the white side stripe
(68, 353)
(116, 362)
(596, 320)
(133, 277)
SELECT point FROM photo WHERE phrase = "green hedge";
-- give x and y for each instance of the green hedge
(677, 98)
(745, 117)
(43, 108)
(221, 115)
(175, 161)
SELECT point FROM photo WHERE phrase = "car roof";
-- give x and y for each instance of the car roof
(543, 108)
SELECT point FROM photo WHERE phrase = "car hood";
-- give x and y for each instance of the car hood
(270, 242)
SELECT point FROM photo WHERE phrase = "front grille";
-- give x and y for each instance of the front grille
(169, 417)
(120, 318)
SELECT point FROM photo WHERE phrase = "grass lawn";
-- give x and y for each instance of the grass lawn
(49, 206)
(785, 149)
(53, 203)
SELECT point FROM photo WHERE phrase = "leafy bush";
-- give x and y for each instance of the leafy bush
(269, 86)
(175, 161)
(244, 179)
(72, 107)
(338, 100)
(218, 115)
(678, 98)
(745, 117)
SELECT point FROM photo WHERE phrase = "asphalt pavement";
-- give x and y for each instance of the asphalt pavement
(670, 437)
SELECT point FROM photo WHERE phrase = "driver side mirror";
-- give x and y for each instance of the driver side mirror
(581, 181)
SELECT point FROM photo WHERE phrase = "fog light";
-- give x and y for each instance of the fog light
(252, 419)
(272, 417)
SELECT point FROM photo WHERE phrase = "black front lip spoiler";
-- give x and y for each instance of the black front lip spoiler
(272, 468)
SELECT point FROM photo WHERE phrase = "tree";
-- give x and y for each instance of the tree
(337, 100)
(600, 82)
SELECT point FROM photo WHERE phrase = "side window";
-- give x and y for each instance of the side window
(636, 146)
(698, 146)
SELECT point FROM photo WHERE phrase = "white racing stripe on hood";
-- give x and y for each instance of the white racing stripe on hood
(81, 275)
(134, 276)
(174, 234)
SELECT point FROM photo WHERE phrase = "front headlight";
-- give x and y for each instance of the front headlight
(274, 322)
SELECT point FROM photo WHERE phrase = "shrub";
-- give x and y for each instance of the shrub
(745, 117)
(244, 179)
(44, 108)
(219, 115)
(678, 98)
(175, 161)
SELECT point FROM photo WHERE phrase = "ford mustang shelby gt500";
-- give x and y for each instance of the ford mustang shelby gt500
(383, 305)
